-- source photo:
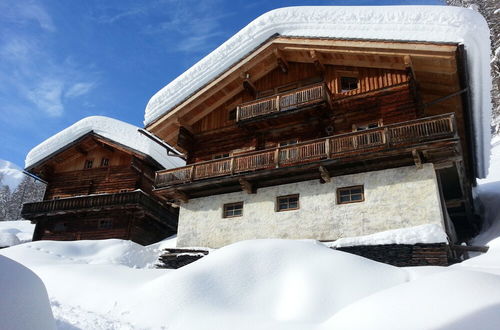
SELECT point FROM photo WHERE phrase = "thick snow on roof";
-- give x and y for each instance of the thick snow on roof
(403, 23)
(113, 129)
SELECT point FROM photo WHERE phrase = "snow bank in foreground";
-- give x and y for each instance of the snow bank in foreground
(113, 129)
(24, 304)
(15, 232)
(428, 234)
(410, 23)
(260, 284)
(488, 197)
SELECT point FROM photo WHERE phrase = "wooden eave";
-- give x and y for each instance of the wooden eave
(75, 149)
(433, 64)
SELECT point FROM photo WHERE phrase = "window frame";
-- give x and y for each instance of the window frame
(109, 224)
(225, 206)
(348, 76)
(104, 162)
(278, 203)
(339, 190)
(88, 161)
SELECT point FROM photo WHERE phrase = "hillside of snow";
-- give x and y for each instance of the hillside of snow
(15, 232)
(11, 174)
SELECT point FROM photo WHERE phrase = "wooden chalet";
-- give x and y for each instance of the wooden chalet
(98, 188)
(302, 112)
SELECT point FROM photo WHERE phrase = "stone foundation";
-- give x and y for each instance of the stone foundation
(403, 255)
(177, 258)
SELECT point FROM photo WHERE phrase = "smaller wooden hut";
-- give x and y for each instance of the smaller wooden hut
(99, 175)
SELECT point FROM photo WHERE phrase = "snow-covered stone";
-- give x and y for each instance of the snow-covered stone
(401, 23)
(424, 234)
(113, 129)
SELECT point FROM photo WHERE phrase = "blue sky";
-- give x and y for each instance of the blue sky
(61, 61)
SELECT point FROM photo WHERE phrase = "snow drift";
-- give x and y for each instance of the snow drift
(259, 284)
(24, 304)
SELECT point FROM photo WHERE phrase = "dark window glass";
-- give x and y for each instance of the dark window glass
(350, 195)
(289, 202)
(348, 84)
(233, 210)
(104, 162)
(221, 156)
(105, 224)
(88, 163)
(232, 114)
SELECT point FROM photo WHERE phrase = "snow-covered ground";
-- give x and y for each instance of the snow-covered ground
(260, 284)
(15, 232)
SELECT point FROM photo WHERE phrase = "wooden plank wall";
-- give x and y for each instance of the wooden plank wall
(216, 134)
(302, 73)
(110, 179)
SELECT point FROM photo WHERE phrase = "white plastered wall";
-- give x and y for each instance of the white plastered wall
(394, 198)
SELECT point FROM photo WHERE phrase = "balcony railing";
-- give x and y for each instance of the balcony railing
(380, 138)
(291, 100)
(93, 202)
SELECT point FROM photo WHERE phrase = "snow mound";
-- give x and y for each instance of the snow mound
(487, 197)
(24, 304)
(15, 232)
(96, 252)
(113, 129)
(403, 23)
(427, 234)
(447, 300)
(12, 174)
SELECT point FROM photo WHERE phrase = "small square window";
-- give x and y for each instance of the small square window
(287, 203)
(233, 210)
(352, 194)
(88, 163)
(104, 162)
(232, 115)
(105, 224)
(348, 84)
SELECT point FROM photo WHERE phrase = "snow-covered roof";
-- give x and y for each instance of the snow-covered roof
(402, 23)
(112, 129)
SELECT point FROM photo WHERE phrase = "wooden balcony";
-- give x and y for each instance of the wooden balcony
(380, 139)
(293, 100)
(132, 199)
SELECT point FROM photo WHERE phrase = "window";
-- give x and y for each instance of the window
(88, 163)
(290, 153)
(232, 115)
(220, 156)
(104, 162)
(348, 84)
(60, 226)
(105, 224)
(287, 203)
(233, 210)
(352, 194)
(288, 143)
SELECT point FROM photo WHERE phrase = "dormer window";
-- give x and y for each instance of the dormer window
(88, 163)
(348, 84)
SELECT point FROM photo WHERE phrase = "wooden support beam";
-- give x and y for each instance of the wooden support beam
(280, 58)
(179, 195)
(409, 65)
(249, 87)
(246, 186)
(417, 159)
(325, 175)
(457, 202)
(318, 63)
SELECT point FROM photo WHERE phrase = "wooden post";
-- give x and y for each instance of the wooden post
(191, 174)
(417, 159)
(277, 103)
(246, 186)
(277, 157)
(325, 175)
(232, 165)
(238, 109)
